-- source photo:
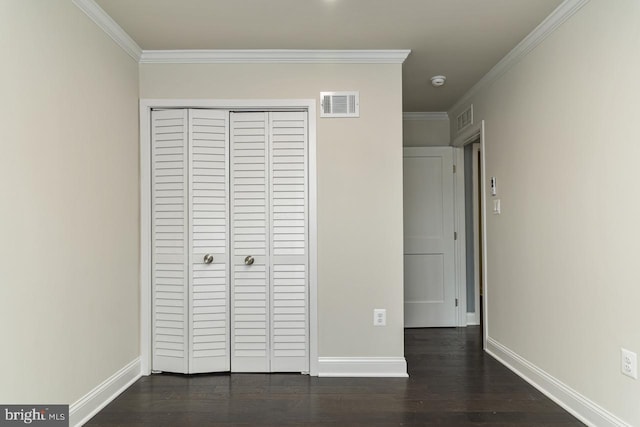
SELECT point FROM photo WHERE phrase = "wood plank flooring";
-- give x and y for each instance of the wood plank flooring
(452, 382)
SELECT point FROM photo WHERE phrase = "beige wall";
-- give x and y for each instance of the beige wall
(359, 186)
(425, 133)
(562, 140)
(69, 215)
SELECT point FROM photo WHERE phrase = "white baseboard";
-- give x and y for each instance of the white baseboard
(362, 367)
(473, 319)
(87, 406)
(578, 405)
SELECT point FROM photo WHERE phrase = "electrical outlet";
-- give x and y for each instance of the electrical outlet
(379, 317)
(629, 363)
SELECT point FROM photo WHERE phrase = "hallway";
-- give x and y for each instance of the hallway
(452, 382)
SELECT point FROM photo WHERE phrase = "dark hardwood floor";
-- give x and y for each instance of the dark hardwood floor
(452, 382)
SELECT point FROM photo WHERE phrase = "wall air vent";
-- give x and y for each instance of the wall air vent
(465, 119)
(340, 104)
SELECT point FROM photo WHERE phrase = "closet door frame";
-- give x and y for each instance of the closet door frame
(146, 105)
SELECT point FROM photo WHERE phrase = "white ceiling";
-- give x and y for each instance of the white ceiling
(462, 39)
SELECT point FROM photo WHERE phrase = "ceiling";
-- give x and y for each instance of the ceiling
(461, 39)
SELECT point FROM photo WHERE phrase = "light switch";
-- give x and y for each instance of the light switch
(496, 207)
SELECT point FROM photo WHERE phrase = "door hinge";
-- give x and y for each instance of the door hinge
(454, 168)
(456, 302)
(455, 235)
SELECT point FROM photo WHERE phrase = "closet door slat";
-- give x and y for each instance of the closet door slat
(169, 241)
(289, 242)
(249, 219)
(209, 282)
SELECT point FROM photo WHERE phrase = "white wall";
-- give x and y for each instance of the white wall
(562, 140)
(359, 186)
(425, 133)
(69, 212)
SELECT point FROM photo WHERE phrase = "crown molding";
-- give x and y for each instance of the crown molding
(436, 115)
(563, 12)
(109, 26)
(274, 56)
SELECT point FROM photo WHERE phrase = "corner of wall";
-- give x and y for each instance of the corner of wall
(90, 404)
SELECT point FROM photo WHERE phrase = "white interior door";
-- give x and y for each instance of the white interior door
(249, 248)
(208, 241)
(189, 241)
(289, 253)
(270, 329)
(169, 241)
(429, 264)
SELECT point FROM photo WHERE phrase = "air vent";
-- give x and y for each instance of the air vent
(465, 119)
(340, 104)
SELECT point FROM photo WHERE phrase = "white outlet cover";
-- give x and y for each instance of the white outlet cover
(629, 363)
(379, 317)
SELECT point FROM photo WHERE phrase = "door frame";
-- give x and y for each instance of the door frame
(146, 105)
(461, 240)
(475, 132)
(477, 241)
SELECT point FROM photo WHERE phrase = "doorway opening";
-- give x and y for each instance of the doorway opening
(473, 230)
(472, 145)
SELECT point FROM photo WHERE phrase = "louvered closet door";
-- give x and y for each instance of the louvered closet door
(269, 224)
(190, 221)
(169, 241)
(230, 241)
(289, 242)
(208, 233)
(249, 216)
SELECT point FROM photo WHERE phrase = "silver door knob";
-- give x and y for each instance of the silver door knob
(249, 260)
(208, 259)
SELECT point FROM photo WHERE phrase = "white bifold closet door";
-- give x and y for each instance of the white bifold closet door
(229, 241)
(269, 249)
(190, 221)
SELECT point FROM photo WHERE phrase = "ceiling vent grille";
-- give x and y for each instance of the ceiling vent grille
(340, 104)
(465, 119)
